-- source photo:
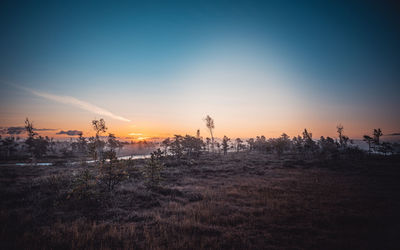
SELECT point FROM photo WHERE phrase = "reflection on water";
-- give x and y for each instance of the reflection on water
(38, 164)
(127, 157)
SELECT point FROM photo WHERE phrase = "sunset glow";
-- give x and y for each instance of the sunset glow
(211, 124)
(257, 78)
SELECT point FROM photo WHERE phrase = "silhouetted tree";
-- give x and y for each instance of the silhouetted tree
(36, 146)
(40, 147)
(298, 144)
(385, 148)
(368, 139)
(52, 145)
(309, 143)
(343, 139)
(192, 145)
(96, 145)
(377, 134)
(210, 125)
(281, 144)
(328, 147)
(239, 144)
(30, 141)
(225, 144)
(113, 144)
(8, 146)
(176, 146)
(82, 144)
(99, 126)
(340, 132)
(166, 144)
(261, 144)
(251, 144)
(80, 147)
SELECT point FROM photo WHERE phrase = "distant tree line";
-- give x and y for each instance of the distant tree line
(34, 147)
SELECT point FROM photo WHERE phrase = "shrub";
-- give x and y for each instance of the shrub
(83, 187)
(113, 172)
(152, 170)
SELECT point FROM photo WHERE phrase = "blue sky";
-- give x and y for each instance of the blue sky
(332, 62)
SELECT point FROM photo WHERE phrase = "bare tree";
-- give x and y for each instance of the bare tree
(96, 145)
(99, 126)
(377, 134)
(210, 125)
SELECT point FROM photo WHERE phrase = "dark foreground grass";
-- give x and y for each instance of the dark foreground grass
(240, 201)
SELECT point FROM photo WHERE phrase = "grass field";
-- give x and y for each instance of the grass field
(239, 201)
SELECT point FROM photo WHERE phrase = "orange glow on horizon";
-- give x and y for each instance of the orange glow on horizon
(158, 130)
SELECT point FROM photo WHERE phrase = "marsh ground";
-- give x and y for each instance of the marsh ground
(238, 201)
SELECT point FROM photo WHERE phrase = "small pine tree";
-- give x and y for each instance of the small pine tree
(152, 170)
(83, 185)
(114, 171)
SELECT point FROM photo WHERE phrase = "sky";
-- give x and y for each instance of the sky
(157, 68)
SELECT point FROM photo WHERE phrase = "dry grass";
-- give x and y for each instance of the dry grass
(235, 202)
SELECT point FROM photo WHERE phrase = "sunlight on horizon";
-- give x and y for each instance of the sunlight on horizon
(251, 79)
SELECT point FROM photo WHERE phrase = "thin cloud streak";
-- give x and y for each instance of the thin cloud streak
(77, 103)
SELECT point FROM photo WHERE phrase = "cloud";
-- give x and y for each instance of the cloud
(69, 132)
(20, 130)
(15, 130)
(77, 103)
(44, 129)
(396, 134)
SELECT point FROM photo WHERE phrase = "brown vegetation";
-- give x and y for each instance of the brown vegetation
(237, 201)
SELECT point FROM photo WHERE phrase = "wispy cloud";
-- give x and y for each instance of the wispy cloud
(394, 134)
(77, 103)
